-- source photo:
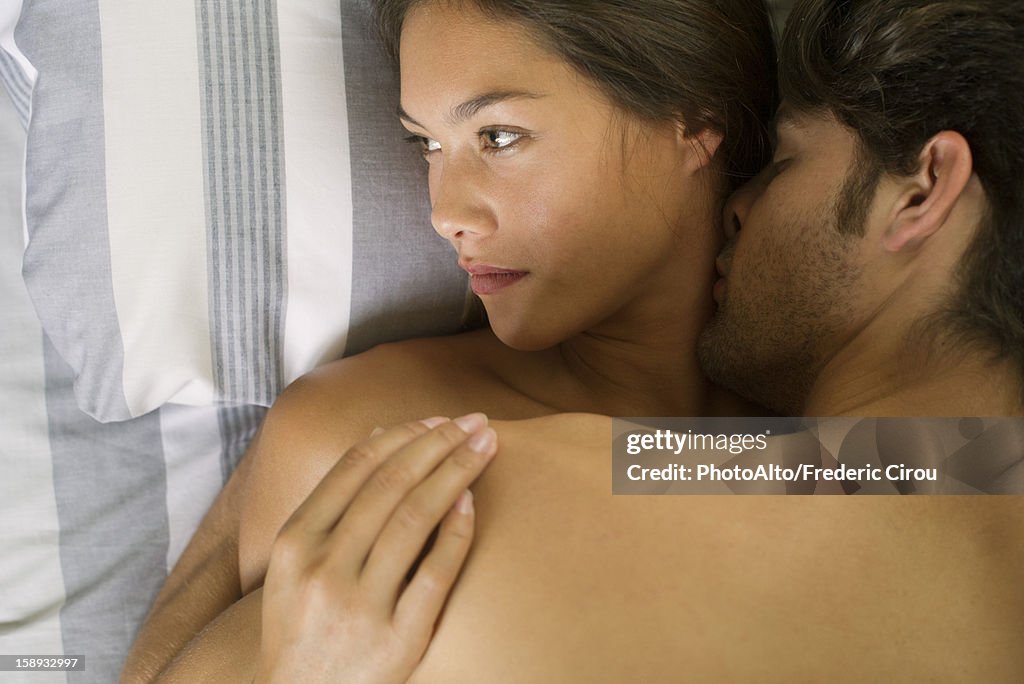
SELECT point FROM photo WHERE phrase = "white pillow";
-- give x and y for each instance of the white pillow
(218, 197)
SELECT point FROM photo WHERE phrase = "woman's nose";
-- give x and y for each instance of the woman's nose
(460, 206)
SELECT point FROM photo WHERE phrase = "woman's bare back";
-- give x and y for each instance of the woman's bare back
(568, 583)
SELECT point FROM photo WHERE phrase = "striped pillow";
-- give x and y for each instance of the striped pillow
(217, 197)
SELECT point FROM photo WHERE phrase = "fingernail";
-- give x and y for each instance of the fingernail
(471, 423)
(376, 431)
(465, 503)
(483, 442)
(434, 422)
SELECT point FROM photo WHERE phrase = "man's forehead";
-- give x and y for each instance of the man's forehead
(784, 114)
(817, 133)
(788, 118)
(793, 122)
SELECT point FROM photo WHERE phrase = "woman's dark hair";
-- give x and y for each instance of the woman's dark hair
(708, 63)
(898, 72)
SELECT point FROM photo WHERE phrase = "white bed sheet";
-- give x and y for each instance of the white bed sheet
(91, 516)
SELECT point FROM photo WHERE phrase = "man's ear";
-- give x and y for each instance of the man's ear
(929, 196)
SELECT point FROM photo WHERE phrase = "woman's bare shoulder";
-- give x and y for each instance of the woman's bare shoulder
(565, 428)
(567, 582)
(393, 365)
(387, 384)
(318, 417)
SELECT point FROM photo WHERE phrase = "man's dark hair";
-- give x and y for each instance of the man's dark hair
(897, 72)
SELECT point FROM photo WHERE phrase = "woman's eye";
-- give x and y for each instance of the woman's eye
(426, 145)
(497, 139)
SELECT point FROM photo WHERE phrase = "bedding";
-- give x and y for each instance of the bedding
(218, 198)
(167, 265)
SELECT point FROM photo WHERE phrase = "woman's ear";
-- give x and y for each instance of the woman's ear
(704, 144)
(929, 196)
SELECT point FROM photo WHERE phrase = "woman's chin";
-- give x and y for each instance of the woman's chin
(524, 338)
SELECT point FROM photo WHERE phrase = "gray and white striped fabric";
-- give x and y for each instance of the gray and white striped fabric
(16, 78)
(218, 197)
(91, 515)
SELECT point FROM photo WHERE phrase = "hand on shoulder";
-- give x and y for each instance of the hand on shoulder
(344, 568)
(311, 425)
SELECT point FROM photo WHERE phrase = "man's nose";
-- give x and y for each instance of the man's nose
(460, 206)
(737, 207)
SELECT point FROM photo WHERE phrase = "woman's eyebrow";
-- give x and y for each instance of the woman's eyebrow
(473, 106)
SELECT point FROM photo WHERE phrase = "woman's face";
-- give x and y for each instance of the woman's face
(567, 214)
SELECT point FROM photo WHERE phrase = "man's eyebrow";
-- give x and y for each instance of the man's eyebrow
(470, 108)
(785, 118)
(784, 113)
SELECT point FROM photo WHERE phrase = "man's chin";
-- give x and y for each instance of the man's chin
(716, 354)
(727, 358)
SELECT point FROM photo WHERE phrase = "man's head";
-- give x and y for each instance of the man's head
(891, 221)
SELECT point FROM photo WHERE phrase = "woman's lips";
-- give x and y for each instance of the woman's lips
(489, 283)
(487, 280)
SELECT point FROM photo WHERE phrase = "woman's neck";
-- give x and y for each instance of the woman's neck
(629, 376)
(640, 362)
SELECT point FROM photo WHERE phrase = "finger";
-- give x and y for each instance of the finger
(420, 604)
(356, 533)
(325, 505)
(403, 537)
